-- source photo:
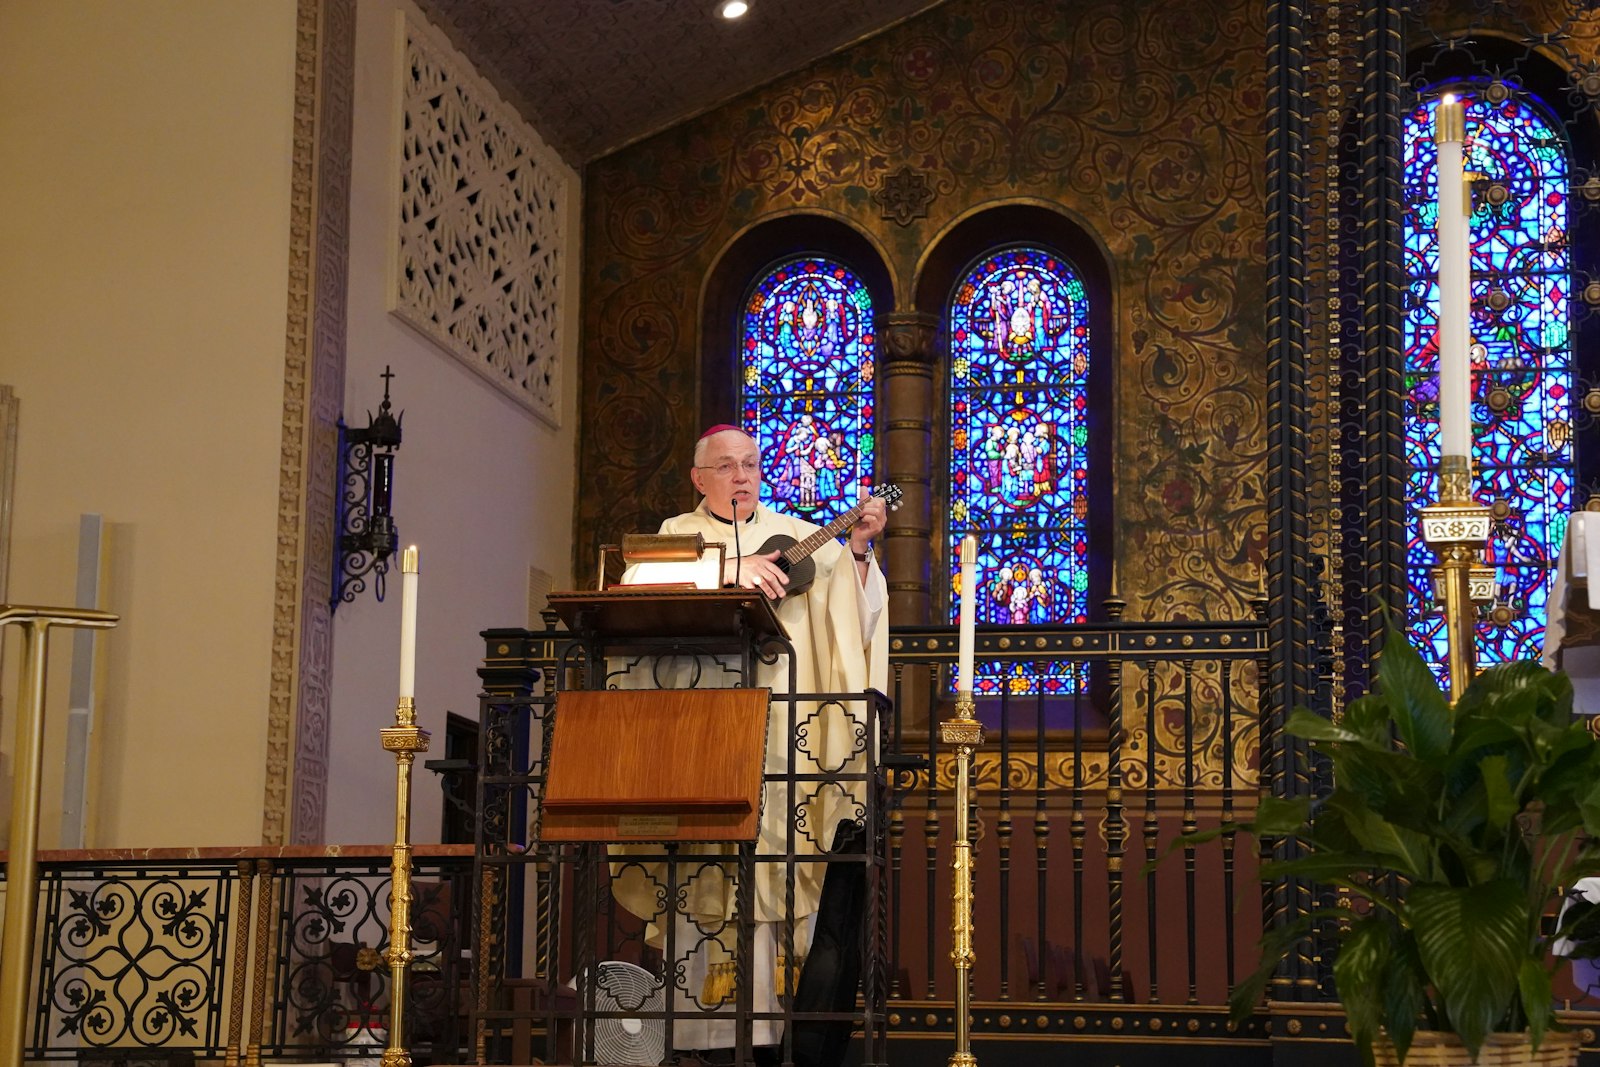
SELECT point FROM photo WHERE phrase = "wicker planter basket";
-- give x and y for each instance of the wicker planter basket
(1434, 1048)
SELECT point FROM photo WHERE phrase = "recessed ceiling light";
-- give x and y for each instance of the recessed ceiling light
(732, 9)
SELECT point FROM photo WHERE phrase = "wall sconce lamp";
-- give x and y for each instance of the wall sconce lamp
(364, 530)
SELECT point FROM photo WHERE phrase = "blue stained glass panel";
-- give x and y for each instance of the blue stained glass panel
(806, 386)
(1018, 328)
(1521, 360)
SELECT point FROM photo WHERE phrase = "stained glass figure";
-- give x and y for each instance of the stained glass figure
(806, 386)
(1521, 361)
(1018, 326)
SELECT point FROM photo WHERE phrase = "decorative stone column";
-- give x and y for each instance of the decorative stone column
(906, 341)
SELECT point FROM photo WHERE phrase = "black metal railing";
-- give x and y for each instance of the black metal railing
(1152, 730)
(228, 953)
(1155, 733)
(1105, 742)
(132, 955)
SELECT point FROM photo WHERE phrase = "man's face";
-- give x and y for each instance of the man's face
(729, 470)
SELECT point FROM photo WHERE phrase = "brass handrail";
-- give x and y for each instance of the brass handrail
(22, 863)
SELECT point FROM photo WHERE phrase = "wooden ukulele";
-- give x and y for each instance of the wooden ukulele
(795, 556)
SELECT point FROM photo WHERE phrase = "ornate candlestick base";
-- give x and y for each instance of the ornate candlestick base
(405, 739)
(965, 733)
(1457, 529)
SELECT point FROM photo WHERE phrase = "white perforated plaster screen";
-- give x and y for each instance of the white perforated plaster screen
(482, 242)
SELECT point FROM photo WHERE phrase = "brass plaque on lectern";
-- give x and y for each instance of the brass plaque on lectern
(656, 764)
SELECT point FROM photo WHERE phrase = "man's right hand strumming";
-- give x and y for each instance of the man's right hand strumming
(757, 572)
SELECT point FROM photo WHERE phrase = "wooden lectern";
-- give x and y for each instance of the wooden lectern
(656, 765)
(659, 764)
(732, 623)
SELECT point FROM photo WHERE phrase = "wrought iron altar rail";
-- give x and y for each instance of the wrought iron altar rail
(1127, 736)
(230, 954)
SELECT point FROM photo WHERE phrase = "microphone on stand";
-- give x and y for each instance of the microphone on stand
(738, 557)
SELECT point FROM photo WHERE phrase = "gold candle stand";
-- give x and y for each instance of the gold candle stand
(1457, 529)
(965, 733)
(22, 862)
(405, 739)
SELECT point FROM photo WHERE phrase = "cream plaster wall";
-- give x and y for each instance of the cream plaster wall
(483, 488)
(143, 264)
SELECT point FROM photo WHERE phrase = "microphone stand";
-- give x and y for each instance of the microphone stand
(738, 556)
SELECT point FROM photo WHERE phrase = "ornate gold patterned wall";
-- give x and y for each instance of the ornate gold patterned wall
(1140, 120)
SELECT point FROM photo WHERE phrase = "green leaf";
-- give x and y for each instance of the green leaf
(1548, 738)
(1359, 969)
(1502, 806)
(1519, 676)
(1313, 727)
(1276, 943)
(1421, 714)
(1280, 817)
(1472, 943)
(1476, 731)
(1589, 807)
(1404, 994)
(1368, 716)
(1533, 982)
(1406, 851)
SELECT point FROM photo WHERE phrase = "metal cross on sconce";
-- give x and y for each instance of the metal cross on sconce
(364, 530)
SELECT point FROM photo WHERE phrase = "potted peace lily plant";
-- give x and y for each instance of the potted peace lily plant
(1454, 831)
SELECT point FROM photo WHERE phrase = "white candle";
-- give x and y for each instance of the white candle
(1455, 282)
(969, 610)
(408, 623)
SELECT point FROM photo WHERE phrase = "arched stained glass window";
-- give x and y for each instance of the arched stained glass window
(806, 386)
(1521, 360)
(1018, 326)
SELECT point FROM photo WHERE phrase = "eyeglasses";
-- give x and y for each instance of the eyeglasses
(726, 468)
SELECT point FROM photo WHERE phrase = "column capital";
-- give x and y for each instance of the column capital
(907, 335)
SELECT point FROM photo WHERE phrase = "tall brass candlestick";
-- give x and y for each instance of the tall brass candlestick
(1456, 527)
(405, 739)
(965, 733)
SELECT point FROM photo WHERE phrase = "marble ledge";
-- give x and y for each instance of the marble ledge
(240, 852)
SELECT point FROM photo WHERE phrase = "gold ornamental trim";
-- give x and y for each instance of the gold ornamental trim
(404, 739)
(1455, 480)
(1022, 775)
(293, 445)
(1456, 524)
(961, 732)
(1481, 582)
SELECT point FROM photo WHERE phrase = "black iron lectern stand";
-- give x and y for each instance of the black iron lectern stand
(540, 985)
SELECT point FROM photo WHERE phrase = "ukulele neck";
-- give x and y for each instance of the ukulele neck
(801, 549)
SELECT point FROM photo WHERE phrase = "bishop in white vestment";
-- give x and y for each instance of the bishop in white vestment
(839, 631)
